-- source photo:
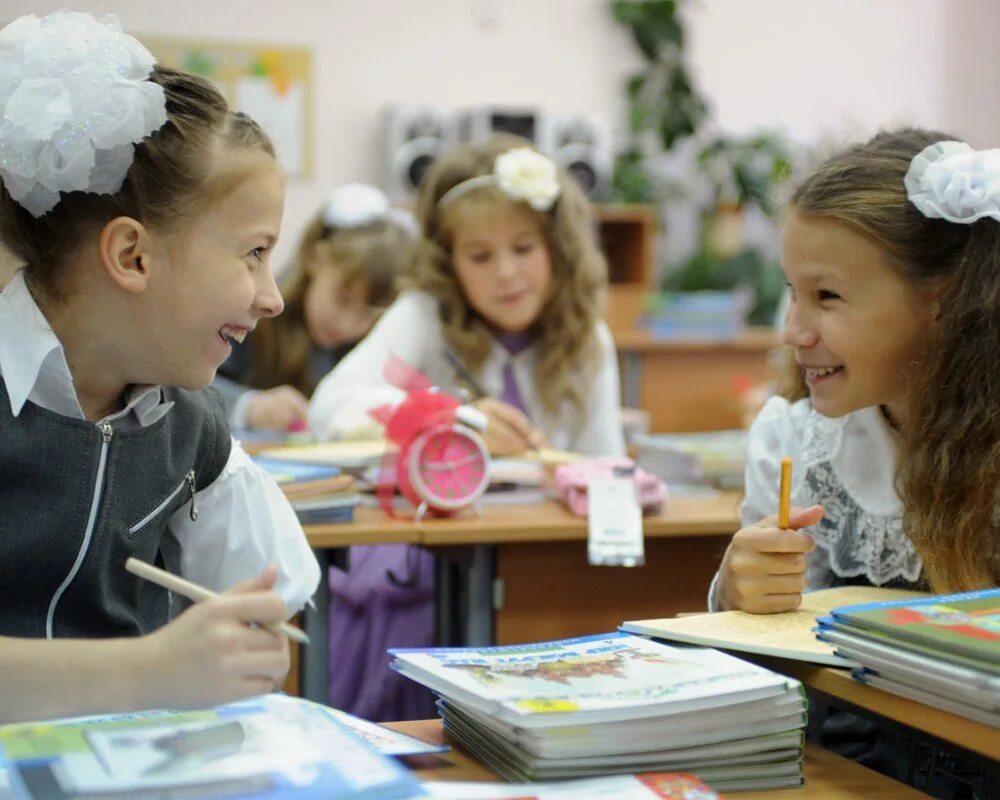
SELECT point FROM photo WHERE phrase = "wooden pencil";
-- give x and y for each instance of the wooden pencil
(785, 493)
(193, 591)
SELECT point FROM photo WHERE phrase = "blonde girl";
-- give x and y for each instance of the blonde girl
(344, 276)
(508, 282)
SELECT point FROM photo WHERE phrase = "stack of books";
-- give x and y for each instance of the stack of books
(942, 650)
(317, 493)
(617, 704)
(697, 315)
(712, 458)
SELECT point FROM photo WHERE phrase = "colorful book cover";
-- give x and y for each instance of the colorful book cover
(967, 623)
(267, 747)
(609, 676)
(285, 472)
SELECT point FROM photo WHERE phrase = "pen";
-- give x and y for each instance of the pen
(467, 378)
(785, 492)
(193, 591)
(478, 391)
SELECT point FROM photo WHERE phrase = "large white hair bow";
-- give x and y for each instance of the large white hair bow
(950, 180)
(73, 101)
(355, 205)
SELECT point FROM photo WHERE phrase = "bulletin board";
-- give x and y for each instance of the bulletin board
(273, 84)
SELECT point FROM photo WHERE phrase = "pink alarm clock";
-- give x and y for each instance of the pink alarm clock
(446, 467)
(442, 464)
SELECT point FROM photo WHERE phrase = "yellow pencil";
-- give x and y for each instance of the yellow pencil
(193, 591)
(785, 492)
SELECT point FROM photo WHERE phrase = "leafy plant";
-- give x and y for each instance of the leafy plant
(663, 102)
(747, 171)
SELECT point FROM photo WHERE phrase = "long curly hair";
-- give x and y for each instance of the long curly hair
(567, 343)
(370, 256)
(949, 460)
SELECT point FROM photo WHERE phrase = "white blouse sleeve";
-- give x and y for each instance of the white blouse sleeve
(602, 430)
(340, 405)
(245, 523)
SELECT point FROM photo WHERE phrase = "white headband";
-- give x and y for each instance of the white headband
(950, 180)
(522, 174)
(73, 101)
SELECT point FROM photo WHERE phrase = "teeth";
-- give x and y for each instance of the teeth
(234, 334)
(822, 372)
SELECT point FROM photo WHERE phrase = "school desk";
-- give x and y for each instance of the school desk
(838, 684)
(828, 776)
(545, 588)
(691, 385)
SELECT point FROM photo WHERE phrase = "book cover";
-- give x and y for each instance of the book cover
(785, 635)
(966, 623)
(603, 677)
(267, 747)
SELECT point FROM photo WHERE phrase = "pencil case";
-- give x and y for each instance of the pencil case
(571, 483)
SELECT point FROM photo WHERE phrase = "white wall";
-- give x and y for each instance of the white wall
(821, 68)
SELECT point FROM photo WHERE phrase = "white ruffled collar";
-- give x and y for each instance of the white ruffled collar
(861, 449)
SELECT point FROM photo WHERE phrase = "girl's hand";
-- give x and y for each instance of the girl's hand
(215, 651)
(277, 409)
(508, 431)
(764, 569)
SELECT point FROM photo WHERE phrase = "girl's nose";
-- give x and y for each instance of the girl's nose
(268, 300)
(798, 330)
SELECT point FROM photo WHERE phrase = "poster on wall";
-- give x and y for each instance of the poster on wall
(271, 83)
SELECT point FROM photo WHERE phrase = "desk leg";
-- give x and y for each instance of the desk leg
(444, 601)
(631, 378)
(314, 657)
(479, 628)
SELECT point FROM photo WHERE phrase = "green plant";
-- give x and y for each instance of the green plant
(747, 171)
(663, 102)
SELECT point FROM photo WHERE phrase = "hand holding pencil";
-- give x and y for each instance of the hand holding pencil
(764, 568)
(216, 651)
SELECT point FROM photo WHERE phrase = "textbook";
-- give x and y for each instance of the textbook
(318, 493)
(301, 480)
(349, 454)
(789, 634)
(648, 786)
(941, 650)
(267, 747)
(616, 704)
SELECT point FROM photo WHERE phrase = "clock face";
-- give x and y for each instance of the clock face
(448, 466)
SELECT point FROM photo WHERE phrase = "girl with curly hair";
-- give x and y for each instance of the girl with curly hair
(504, 300)
(892, 255)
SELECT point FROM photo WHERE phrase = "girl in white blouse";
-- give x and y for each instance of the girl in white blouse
(506, 287)
(892, 254)
(145, 223)
(892, 410)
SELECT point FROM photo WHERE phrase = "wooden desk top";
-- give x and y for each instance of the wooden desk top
(753, 339)
(715, 516)
(973, 736)
(828, 776)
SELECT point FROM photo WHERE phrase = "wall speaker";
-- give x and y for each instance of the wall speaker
(415, 137)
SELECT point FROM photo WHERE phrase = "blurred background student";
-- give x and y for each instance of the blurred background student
(344, 276)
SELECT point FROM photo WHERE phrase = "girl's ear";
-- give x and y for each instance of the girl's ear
(126, 253)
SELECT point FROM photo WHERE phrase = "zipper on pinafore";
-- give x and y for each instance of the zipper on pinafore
(189, 482)
(106, 433)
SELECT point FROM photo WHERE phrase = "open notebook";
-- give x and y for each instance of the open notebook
(789, 634)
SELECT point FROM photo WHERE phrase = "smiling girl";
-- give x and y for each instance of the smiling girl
(508, 280)
(892, 255)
